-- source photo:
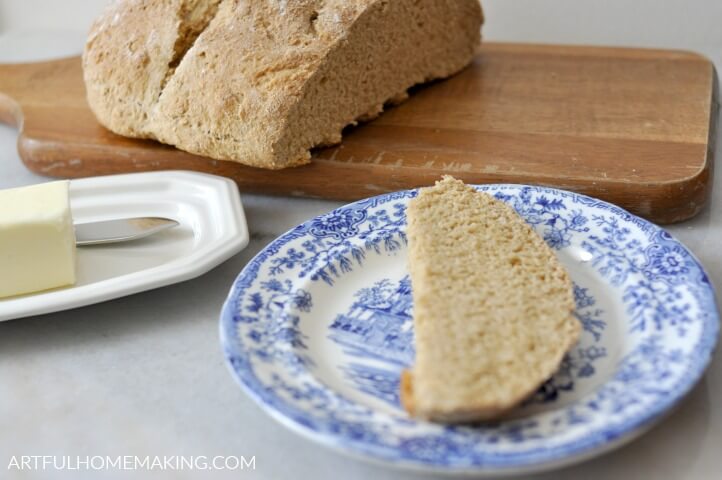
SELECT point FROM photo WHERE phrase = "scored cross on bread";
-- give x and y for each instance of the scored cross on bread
(263, 82)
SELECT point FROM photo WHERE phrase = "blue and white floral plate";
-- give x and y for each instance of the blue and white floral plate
(318, 327)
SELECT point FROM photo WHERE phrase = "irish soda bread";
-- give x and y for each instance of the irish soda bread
(492, 306)
(262, 82)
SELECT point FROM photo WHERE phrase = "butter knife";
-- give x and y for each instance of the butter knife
(120, 230)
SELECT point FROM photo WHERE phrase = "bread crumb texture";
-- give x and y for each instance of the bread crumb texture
(261, 82)
(492, 306)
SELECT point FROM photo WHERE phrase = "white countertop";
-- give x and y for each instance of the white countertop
(144, 375)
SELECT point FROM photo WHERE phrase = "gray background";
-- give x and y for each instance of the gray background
(144, 375)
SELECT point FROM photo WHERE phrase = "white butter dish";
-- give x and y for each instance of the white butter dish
(212, 229)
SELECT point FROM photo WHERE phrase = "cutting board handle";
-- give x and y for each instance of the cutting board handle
(39, 83)
(10, 111)
(10, 77)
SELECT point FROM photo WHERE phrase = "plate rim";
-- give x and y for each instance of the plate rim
(601, 442)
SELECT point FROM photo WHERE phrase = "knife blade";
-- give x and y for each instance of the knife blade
(120, 230)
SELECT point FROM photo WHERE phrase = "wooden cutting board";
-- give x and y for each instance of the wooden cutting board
(634, 127)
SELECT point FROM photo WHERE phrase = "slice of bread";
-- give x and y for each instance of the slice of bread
(263, 82)
(492, 306)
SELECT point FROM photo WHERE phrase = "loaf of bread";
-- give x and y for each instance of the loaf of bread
(492, 306)
(262, 82)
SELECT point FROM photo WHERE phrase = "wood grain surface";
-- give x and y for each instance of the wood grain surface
(631, 126)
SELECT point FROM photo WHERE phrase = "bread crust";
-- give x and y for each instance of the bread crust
(262, 83)
(131, 52)
(406, 391)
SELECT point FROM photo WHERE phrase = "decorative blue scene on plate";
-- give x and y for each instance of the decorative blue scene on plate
(317, 329)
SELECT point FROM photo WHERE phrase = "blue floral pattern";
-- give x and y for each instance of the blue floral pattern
(581, 361)
(328, 251)
(272, 316)
(663, 306)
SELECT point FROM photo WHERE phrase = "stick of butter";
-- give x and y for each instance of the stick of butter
(37, 239)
